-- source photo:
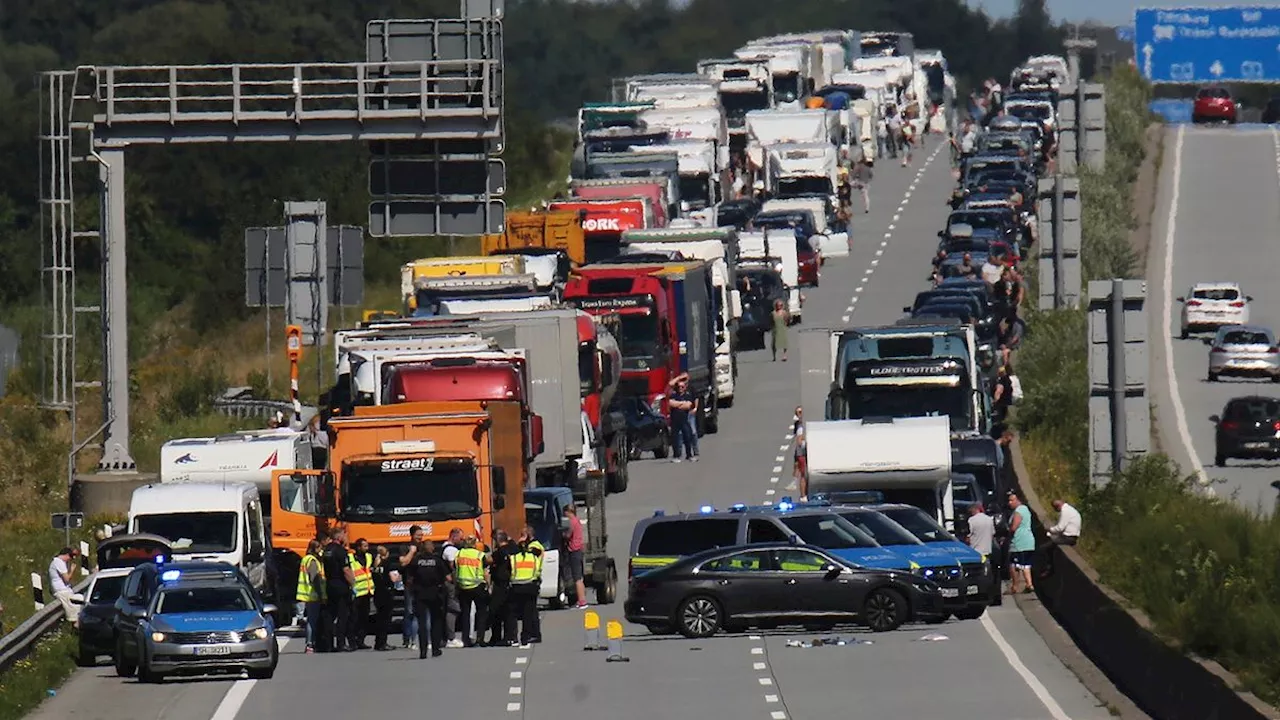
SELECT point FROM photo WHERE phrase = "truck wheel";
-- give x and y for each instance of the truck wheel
(617, 480)
(727, 402)
(713, 422)
(607, 591)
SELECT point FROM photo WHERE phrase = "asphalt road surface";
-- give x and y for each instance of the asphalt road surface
(996, 668)
(1216, 220)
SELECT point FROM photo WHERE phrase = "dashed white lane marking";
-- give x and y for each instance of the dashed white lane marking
(757, 651)
(777, 468)
(516, 674)
(513, 690)
(517, 691)
(771, 698)
(844, 318)
(239, 691)
(879, 251)
(766, 681)
(522, 661)
(770, 492)
(778, 715)
(759, 666)
(780, 458)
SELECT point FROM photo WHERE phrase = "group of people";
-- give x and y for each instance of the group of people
(1022, 543)
(457, 594)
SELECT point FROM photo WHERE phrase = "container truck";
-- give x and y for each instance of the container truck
(718, 247)
(657, 166)
(657, 190)
(667, 327)
(606, 219)
(775, 127)
(744, 85)
(778, 249)
(480, 294)
(789, 68)
(454, 267)
(701, 175)
(545, 229)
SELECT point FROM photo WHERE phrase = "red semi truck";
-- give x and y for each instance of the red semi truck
(655, 189)
(666, 318)
(606, 220)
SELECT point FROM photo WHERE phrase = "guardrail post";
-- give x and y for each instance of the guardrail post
(1059, 281)
(37, 591)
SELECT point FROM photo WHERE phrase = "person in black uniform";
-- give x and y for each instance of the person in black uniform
(524, 599)
(429, 573)
(383, 597)
(501, 620)
(338, 582)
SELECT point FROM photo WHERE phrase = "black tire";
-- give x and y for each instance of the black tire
(664, 447)
(266, 674)
(145, 675)
(884, 610)
(86, 656)
(1184, 334)
(1275, 378)
(1213, 377)
(607, 591)
(728, 402)
(561, 591)
(935, 619)
(699, 616)
(712, 423)
(124, 667)
(1219, 459)
(617, 481)
(972, 613)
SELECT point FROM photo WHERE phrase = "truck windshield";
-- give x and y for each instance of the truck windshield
(919, 524)
(908, 400)
(192, 532)
(786, 87)
(640, 338)
(413, 489)
(828, 531)
(696, 190)
(883, 530)
(803, 186)
(738, 104)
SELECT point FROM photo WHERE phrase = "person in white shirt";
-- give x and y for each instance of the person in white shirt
(62, 571)
(1067, 531)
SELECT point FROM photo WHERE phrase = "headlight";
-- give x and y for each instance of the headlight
(258, 633)
(157, 637)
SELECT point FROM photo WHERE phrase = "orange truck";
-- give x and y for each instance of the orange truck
(547, 229)
(438, 464)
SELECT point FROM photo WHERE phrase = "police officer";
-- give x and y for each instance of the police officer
(428, 573)
(383, 597)
(472, 570)
(339, 579)
(361, 592)
(501, 618)
(311, 593)
(526, 580)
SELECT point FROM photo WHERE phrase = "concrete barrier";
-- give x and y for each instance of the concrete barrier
(1158, 677)
(107, 493)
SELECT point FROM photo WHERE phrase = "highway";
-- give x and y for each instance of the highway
(996, 668)
(1216, 218)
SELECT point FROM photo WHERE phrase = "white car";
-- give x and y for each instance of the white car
(1209, 306)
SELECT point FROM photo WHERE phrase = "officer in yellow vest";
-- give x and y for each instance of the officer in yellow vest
(526, 580)
(362, 590)
(472, 578)
(311, 592)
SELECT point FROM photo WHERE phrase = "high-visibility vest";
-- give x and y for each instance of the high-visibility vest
(306, 591)
(363, 584)
(524, 567)
(542, 552)
(470, 562)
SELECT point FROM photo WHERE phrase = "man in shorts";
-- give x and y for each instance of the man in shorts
(572, 561)
(1021, 547)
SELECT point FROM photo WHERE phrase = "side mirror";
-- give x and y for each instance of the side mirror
(255, 554)
(1249, 298)
(1181, 299)
(833, 572)
(499, 502)
(269, 609)
(498, 480)
(326, 500)
(535, 431)
(1215, 419)
(139, 613)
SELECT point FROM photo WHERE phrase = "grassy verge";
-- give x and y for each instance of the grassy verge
(1206, 572)
(35, 677)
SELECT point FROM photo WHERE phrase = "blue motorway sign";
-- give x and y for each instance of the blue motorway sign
(1202, 45)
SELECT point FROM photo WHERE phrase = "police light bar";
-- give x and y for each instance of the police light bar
(706, 509)
(170, 575)
(659, 513)
(739, 507)
(391, 447)
(786, 503)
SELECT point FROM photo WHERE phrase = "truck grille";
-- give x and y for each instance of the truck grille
(204, 638)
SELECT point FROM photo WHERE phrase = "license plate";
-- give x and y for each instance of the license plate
(1256, 445)
(950, 592)
(213, 650)
(973, 590)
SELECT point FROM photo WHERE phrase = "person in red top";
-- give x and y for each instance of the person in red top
(572, 564)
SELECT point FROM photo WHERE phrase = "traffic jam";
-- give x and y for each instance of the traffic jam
(512, 389)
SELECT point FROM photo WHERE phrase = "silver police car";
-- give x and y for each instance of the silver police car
(1245, 350)
(205, 625)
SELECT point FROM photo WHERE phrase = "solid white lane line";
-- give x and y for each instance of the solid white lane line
(239, 691)
(1166, 323)
(1028, 677)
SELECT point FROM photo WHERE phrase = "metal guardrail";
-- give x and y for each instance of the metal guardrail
(18, 644)
(264, 409)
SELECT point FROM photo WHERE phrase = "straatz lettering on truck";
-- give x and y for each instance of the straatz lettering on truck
(399, 489)
(426, 464)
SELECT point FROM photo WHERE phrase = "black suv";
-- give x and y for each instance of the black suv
(1248, 428)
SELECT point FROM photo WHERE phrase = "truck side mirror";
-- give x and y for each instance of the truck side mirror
(499, 502)
(535, 431)
(498, 480)
(326, 499)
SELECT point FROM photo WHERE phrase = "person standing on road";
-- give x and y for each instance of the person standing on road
(574, 544)
(451, 608)
(339, 581)
(861, 179)
(472, 581)
(361, 593)
(800, 464)
(501, 618)
(429, 573)
(908, 140)
(781, 319)
(383, 597)
(683, 409)
(62, 572)
(310, 593)
(526, 580)
(1022, 546)
(409, 626)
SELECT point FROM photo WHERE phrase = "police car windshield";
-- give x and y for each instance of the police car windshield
(192, 532)
(409, 489)
(880, 528)
(828, 531)
(204, 599)
(918, 523)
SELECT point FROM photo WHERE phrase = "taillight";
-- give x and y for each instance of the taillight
(1230, 425)
(1275, 425)
(1218, 349)
(1238, 303)
(1193, 303)
(1273, 350)
(631, 569)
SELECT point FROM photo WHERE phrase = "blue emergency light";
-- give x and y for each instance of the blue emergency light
(170, 575)
(659, 513)
(706, 509)
(786, 504)
(738, 507)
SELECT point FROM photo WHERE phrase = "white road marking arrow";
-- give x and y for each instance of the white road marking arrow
(1147, 51)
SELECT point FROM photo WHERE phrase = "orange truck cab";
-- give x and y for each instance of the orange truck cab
(440, 465)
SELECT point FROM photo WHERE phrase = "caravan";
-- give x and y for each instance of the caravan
(240, 457)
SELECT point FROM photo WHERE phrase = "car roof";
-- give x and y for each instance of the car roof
(700, 557)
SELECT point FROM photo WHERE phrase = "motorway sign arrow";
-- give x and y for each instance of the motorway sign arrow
(1216, 69)
(1236, 43)
(1147, 50)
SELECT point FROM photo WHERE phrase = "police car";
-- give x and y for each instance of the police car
(201, 618)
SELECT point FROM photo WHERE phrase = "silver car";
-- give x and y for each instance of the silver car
(1244, 350)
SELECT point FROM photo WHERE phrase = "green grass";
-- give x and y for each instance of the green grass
(1206, 571)
(25, 685)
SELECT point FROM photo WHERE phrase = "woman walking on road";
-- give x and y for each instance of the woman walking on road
(781, 318)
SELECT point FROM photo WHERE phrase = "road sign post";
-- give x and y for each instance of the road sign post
(293, 348)
(1192, 45)
(1119, 406)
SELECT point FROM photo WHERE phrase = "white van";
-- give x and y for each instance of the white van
(220, 522)
(247, 456)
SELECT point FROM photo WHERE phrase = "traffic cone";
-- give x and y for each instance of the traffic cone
(614, 631)
(591, 628)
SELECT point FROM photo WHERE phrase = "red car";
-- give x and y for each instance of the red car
(810, 263)
(1214, 104)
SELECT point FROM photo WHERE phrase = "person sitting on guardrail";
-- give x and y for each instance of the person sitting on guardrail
(1065, 532)
(62, 572)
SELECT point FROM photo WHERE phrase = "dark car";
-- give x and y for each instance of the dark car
(1271, 113)
(761, 286)
(736, 212)
(774, 584)
(1214, 104)
(646, 429)
(805, 227)
(1249, 427)
(117, 557)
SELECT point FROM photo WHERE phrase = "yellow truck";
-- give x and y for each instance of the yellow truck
(454, 267)
(551, 229)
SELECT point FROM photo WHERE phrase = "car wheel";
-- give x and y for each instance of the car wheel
(699, 617)
(1183, 335)
(884, 609)
(1213, 377)
(86, 656)
(619, 479)
(145, 675)
(124, 668)
(1275, 378)
(971, 613)
(664, 447)
(264, 674)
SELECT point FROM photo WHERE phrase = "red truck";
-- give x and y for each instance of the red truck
(666, 319)
(655, 189)
(606, 220)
